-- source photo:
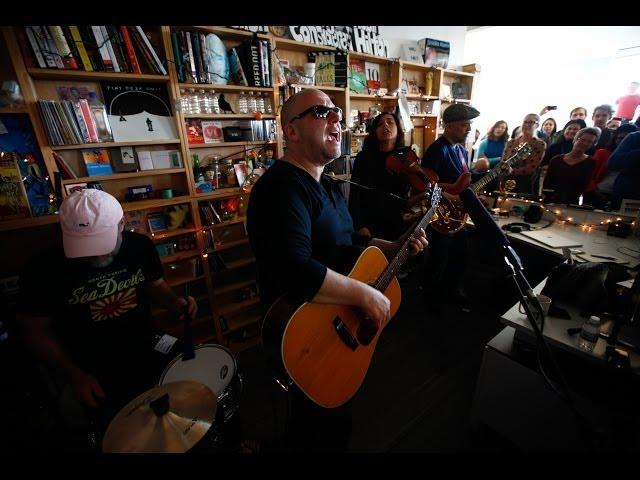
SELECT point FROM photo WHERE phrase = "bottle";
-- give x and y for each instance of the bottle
(251, 103)
(205, 102)
(242, 103)
(194, 101)
(268, 107)
(260, 103)
(215, 102)
(197, 169)
(589, 334)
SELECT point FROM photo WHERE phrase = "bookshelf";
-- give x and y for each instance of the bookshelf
(221, 275)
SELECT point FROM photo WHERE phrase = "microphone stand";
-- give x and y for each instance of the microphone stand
(528, 299)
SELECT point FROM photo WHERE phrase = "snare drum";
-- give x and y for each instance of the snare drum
(215, 366)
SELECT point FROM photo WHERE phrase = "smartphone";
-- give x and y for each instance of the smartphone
(552, 107)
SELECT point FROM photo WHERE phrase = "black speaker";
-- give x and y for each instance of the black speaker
(533, 214)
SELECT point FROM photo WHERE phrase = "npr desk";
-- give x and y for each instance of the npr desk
(511, 395)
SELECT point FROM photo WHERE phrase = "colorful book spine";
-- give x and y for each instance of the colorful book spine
(109, 46)
(152, 50)
(131, 53)
(34, 46)
(63, 48)
(51, 46)
(102, 48)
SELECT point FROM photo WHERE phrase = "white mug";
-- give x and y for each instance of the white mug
(545, 302)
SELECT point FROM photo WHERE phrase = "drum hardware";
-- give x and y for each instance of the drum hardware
(169, 418)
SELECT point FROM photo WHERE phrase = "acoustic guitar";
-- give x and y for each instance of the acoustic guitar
(326, 349)
(451, 215)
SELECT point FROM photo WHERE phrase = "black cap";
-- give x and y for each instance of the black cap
(458, 112)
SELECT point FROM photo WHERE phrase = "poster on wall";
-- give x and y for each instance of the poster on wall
(435, 52)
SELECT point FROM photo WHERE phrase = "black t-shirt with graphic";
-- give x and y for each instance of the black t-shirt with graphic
(101, 316)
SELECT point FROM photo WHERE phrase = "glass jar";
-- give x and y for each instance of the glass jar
(227, 173)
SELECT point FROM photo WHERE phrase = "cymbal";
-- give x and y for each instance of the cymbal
(169, 418)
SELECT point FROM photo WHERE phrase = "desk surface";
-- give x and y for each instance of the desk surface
(594, 242)
(555, 331)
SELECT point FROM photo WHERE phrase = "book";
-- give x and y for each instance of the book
(130, 51)
(157, 222)
(242, 170)
(357, 76)
(63, 47)
(39, 58)
(235, 68)
(152, 50)
(139, 111)
(411, 52)
(177, 55)
(13, 197)
(123, 159)
(97, 161)
(211, 131)
(325, 69)
(372, 71)
(70, 188)
(101, 43)
(144, 160)
(82, 51)
(39, 37)
(193, 128)
(435, 52)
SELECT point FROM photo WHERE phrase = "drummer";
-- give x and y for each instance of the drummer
(92, 324)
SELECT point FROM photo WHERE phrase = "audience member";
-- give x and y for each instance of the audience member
(626, 160)
(628, 103)
(525, 173)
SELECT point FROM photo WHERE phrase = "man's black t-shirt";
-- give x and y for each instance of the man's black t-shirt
(101, 316)
(298, 227)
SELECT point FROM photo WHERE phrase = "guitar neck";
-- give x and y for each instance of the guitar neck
(394, 266)
(484, 181)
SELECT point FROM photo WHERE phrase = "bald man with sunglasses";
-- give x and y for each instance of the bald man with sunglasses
(302, 236)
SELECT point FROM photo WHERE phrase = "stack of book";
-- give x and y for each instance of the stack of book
(72, 123)
(106, 48)
(249, 63)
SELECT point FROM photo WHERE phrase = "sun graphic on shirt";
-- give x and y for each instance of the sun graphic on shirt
(113, 306)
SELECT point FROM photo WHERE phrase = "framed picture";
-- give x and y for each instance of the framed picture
(69, 188)
(242, 170)
(157, 222)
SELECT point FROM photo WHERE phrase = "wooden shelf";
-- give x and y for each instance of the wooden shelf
(50, 74)
(238, 306)
(457, 73)
(288, 44)
(233, 286)
(230, 116)
(319, 87)
(416, 66)
(371, 58)
(224, 31)
(170, 233)
(180, 256)
(154, 202)
(239, 325)
(424, 115)
(415, 96)
(175, 282)
(28, 222)
(221, 193)
(4, 110)
(366, 96)
(225, 223)
(225, 88)
(228, 245)
(113, 144)
(230, 144)
(456, 100)
(119, 176)
(233, 265)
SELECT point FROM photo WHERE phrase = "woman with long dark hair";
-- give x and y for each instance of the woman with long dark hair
(492, 146)
(374, 213)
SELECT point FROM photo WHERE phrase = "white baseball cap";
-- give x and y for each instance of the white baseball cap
(89, 219)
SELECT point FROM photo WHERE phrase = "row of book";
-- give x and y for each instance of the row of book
(209, 213)
(201, 58)
(73, 123)
(103, 161)
(91, 48)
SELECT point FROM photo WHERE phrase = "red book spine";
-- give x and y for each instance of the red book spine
(131, 53)
(87, 114)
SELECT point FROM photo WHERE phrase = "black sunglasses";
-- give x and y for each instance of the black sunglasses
(320, 111)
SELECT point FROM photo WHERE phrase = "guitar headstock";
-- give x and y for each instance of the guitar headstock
(521, 152)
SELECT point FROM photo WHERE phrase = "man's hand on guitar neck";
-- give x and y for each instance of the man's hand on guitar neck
(390, 249)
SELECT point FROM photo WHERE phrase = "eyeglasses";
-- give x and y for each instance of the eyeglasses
(320, 111)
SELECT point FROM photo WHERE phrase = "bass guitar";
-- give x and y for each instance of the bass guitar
(326, 349)
(451, 215)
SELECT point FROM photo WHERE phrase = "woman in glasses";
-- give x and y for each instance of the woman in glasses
(379, 212)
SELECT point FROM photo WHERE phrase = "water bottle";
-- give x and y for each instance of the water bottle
(242, 103)
(215, 102)
(251, 103)
(194, 101)
(260, 103)
(589, 334)
(268, 108)
(205, 102)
